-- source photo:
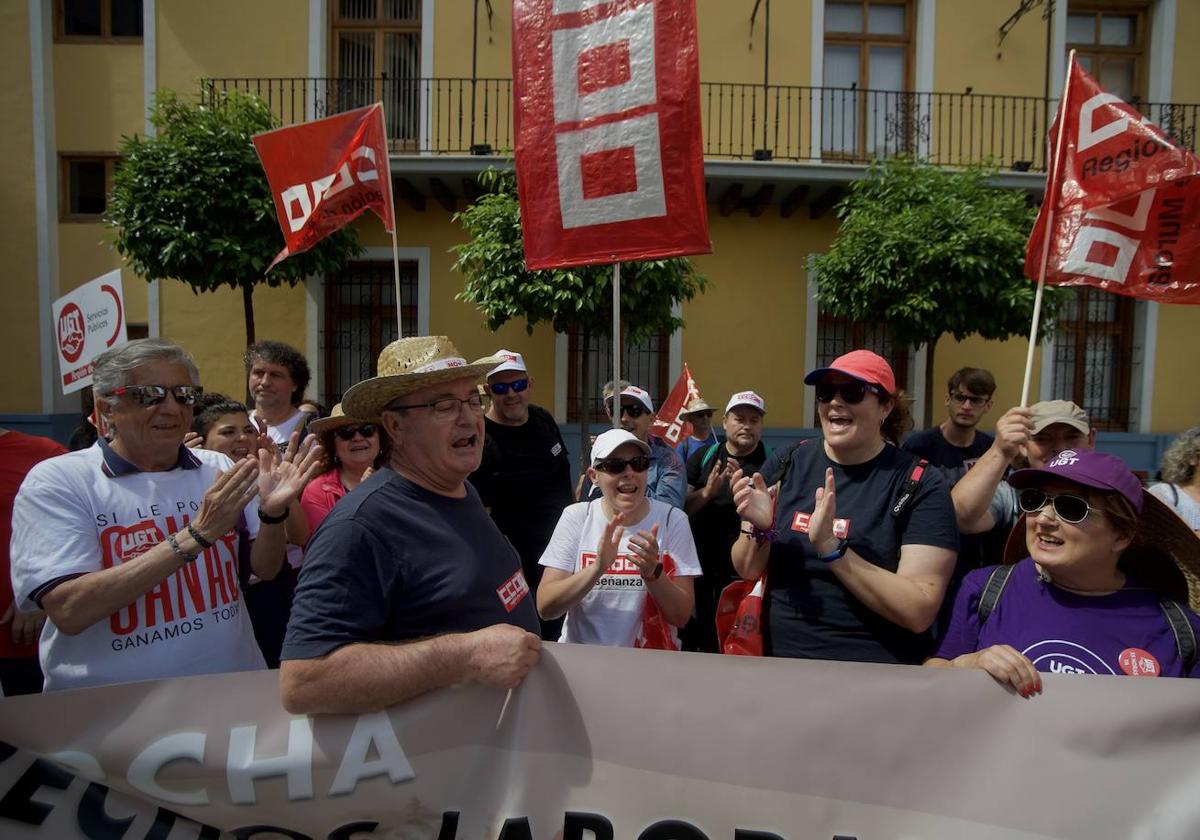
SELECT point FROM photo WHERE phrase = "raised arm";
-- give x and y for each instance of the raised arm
(973, 493)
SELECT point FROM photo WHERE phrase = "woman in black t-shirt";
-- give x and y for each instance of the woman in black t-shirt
(856, 539)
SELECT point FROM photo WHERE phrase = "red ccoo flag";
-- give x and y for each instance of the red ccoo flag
(324, 174)
(1125, 203)
(668, 423)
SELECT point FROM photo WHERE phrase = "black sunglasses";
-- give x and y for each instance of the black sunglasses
(634, 410)
(348, 432)
(1072, 509)
(616, 466)
(150, 395)
(852, 393)
(502, 388)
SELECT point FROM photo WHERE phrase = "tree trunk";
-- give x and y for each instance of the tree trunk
(929, 385)
(248, 310)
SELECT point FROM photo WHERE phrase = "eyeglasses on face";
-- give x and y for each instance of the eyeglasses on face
(968, 399)
(852, 393)
(616, 466)
(1072, 509)
(348, 432)
(151, 395)
(502, 388)
(633, 409)
(448, 408)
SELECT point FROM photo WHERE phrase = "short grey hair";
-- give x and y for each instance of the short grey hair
(1177, 467)
(114, 366)
(617, 387)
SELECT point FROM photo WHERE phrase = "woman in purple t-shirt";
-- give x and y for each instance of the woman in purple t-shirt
(1103, 589)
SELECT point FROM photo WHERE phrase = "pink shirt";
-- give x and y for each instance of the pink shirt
(319, 497)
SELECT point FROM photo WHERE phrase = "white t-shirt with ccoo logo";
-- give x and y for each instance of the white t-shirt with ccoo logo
(70, 518)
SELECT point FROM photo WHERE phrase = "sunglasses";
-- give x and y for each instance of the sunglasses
(1072, 509)
(502, 388)
(348, 432)
(634, 410)
(616, 466)
(151, 395)
(852, 393)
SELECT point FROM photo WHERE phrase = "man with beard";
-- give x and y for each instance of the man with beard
(714, 518)
(524, 479)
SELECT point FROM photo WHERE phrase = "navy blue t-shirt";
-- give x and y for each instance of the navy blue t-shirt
(954, 461)
(394, 561)
(810, 614)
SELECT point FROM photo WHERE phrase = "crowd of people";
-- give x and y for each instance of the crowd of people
(426, 532)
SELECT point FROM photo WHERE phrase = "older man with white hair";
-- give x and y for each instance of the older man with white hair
(408, 585)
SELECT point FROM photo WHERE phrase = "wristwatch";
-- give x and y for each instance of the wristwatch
(656, 574)
(267, 519)
(837, 553)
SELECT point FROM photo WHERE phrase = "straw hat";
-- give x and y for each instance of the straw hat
(335, 419)
(409, 364)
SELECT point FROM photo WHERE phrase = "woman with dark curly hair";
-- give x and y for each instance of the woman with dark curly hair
(1180, 486)
(353, 449)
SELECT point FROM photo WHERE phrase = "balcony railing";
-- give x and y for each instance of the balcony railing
(739, 121)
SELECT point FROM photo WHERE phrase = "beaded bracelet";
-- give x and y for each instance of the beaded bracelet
(198, 537)
(183, 555)
(761, 537)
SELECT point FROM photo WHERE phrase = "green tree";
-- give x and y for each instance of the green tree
(497, 282)
(930, 251)
(192, 203)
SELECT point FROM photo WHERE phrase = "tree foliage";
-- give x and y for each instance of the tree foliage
(929, 251)
(192, 203)
(498, 283)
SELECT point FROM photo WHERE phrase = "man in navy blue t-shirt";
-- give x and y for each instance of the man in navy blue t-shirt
(410, 555)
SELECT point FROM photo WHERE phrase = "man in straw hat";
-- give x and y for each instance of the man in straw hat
(411, 554)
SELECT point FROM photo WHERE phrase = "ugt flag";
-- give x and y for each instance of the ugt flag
(324, 174)
(1126, 202)
(610, 164)
(668, 423)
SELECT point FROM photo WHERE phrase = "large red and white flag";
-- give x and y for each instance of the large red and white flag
(669, 423)
(610, 162)
(1125, 204)
(326, 173)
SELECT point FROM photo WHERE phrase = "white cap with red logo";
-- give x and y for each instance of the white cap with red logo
(746, 398)
(640, 395)
(512, 361)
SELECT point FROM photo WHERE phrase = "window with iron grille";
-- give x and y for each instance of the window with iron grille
(360, 320)
(377, 58)
(868, 58)
(643, 364)
(837, 335)
(1093, 357)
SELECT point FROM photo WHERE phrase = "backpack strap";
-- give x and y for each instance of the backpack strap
(1185, 636)
(992, 591)
(910, 488)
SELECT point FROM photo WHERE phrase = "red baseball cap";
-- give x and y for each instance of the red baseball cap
(862, 365)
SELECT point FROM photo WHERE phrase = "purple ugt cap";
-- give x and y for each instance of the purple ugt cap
(1088, 468)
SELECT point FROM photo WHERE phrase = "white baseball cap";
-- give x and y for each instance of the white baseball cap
(746, 398)
(609, 442)
(640, 395)
(512, 361)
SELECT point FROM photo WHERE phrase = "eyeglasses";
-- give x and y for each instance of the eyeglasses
(634, 410)
(151, 395)
(852, 393)
(1072, 509)
(502, 388)
(968, 399)
(706, 414)
(616, 466)
(348, 432)
(446, 409)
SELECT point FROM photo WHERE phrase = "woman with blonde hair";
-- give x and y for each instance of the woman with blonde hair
(1180, 485)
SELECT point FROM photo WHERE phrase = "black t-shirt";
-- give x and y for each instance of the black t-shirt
(394, 561)
(810, 615)
(932, 445)
(715, 527)
(525, 478)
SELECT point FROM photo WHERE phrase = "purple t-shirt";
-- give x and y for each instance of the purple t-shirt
(1065, 633)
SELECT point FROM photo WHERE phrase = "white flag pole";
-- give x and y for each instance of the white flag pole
(616, 345)
(1047, 233)
(387, 196)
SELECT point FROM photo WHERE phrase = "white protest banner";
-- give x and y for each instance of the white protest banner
(87, 321)
(611, 744)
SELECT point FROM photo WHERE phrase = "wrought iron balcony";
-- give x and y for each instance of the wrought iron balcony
(460, 116)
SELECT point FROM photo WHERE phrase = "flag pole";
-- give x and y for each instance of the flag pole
(396, 272)
(1047, 233)
(616, 344)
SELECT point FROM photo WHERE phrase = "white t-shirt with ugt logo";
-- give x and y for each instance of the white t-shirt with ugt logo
(70, 518)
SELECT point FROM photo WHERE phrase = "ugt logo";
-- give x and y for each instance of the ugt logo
(70, 332)
(609, 170)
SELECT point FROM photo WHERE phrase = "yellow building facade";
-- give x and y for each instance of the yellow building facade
(798, 96)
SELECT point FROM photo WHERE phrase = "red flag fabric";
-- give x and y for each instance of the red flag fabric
(668, 423)
(324, 174)
(610, 163)
(1127, 204)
